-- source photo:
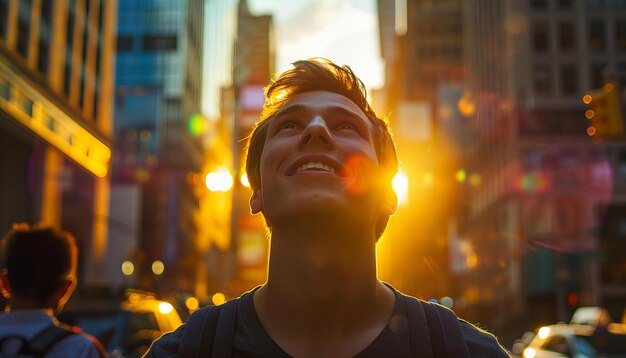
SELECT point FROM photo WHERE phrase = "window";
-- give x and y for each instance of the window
(596, 74)
(618, 4)
(569, 79)
(539, 4)
(159, 42)
(83, 70)
(4, 9)
(71, 5)
(542, 79)
(597, 35)
(620, 34)
(23, 27)
(172, 109)
(594, 4)
(567, 36)
(124, 43)
(541, 37)
(44, 37)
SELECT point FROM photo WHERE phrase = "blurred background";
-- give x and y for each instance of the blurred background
(123, 123)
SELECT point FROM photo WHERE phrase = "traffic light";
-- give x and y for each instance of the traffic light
(604, 112)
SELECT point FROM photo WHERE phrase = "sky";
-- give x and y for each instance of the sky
(344, 31)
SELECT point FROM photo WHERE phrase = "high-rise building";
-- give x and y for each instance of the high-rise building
(535, 228)
(422, 47)
(56, 90)
(545, 219)
(158, 128)
(253, 66)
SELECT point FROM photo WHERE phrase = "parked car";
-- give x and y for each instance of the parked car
(125, 329)
(577, 341)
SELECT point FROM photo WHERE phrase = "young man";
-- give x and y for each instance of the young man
(38, 278)
(320, 164)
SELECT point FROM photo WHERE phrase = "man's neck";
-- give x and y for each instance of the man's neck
(322, 290)
(31, 305)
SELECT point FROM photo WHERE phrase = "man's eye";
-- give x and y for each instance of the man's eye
(346, 126)
(288, 125)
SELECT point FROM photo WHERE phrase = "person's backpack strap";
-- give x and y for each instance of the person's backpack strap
(419, 335)
(44, 340)
(202, 323)
(446, 333)
(209, 331)
(225, 335)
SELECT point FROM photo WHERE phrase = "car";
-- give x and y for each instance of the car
(578, 341)
(125, 329)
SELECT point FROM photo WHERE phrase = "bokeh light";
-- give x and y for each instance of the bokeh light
(461, 175)
(128, 268)
(220, 180)
(165, 307)
(158, 267)
(218, 299)
(544, 332)
(196, 125)
(400, 184)
(192, 304)
(244, 180)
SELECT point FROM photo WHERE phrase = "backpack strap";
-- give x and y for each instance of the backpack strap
(435, 326)
(202, 323)
(44, 340)
(419, 335)
(225, 335)
(210, 332)
(446, 334)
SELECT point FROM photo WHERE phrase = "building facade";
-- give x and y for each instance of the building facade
(56, 97)
(538, 214)
(422, 47)
(253, 66)
(159, 128)
(546, 217)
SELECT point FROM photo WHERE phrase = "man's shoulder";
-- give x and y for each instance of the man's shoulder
(481, 343)
(168, 344)
(79, 344)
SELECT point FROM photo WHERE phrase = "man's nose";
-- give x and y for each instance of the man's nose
(316, 131)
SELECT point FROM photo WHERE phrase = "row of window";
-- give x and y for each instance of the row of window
(46, 33)
(148, 43)
(543, 79)
(564, 5)
(566, 40)
(568, 77)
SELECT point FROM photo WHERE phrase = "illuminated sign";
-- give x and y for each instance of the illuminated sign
(31, 108)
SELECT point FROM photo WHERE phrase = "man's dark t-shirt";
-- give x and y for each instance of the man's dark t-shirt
(252, 340)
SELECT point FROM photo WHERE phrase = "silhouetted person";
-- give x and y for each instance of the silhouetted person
(38, 277)
(320, 163)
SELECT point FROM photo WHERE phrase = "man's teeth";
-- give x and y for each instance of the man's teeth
(315, 165)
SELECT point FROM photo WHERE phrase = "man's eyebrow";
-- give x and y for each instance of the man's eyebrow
(302, 107)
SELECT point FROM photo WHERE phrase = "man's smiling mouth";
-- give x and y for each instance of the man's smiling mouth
(315, 166)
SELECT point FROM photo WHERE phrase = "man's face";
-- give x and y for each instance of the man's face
(319, 157)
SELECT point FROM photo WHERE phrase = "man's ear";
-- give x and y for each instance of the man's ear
(5, 287)
(256, 202)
